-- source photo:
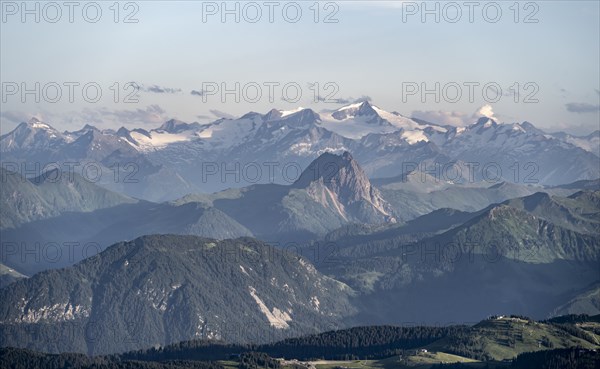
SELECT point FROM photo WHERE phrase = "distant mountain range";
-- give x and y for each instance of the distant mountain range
(332, 192)
(65, 221)
(325, 248)
(50, 194)
(179, 158)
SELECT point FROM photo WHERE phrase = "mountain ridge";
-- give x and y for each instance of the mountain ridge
(133, 291)
(298, 137)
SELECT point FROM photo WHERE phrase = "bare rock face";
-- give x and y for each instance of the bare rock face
(338, 181)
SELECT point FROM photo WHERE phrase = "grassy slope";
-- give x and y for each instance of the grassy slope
(506, 338)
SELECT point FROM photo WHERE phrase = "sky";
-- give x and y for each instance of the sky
(138, 64)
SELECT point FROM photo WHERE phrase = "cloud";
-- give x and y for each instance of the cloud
(563, 92)
(576, 129)
(15, 116)
(152, 114)
(197, 93)
(362, 98)
(581, 108)
(333, 101)
(160, 89)
(344, 101)
(202, 116)
(101, 117)
(453, 118)
(221, 114)
(485, 111)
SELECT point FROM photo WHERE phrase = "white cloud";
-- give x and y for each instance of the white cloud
(452, 118)
(485, 111)
(221, 114)
(455, 118)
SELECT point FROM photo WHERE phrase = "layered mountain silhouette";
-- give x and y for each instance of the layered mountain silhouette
(406, 247)
(332, 192)
(50, 194)
(157, 290)
(457, 265)
(170, 161)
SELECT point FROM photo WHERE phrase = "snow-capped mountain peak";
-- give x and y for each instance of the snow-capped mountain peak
(273, 114)
(300, 135)
(360, 109)
(32, 135)
(285, 113)
(361, 119)
(485, 122)
(73, 135)
(177, 126)
(300, 115)
(36, 123)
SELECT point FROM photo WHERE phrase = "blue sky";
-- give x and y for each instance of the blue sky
(375, 50)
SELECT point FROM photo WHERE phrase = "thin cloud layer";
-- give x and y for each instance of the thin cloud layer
(15, 116)
(455, 118)
(221, 114)
(343, 101)
(160, 89)
(582, 108)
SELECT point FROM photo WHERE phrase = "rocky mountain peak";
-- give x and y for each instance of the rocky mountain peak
(361, 109)
(340, 177)
(176, 126)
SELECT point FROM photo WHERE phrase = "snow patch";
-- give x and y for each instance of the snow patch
(412, 137)
(41, 125)
(285, 113)
(159, 139)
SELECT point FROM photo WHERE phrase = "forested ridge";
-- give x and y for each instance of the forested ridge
(359, 343)
(374, 342)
